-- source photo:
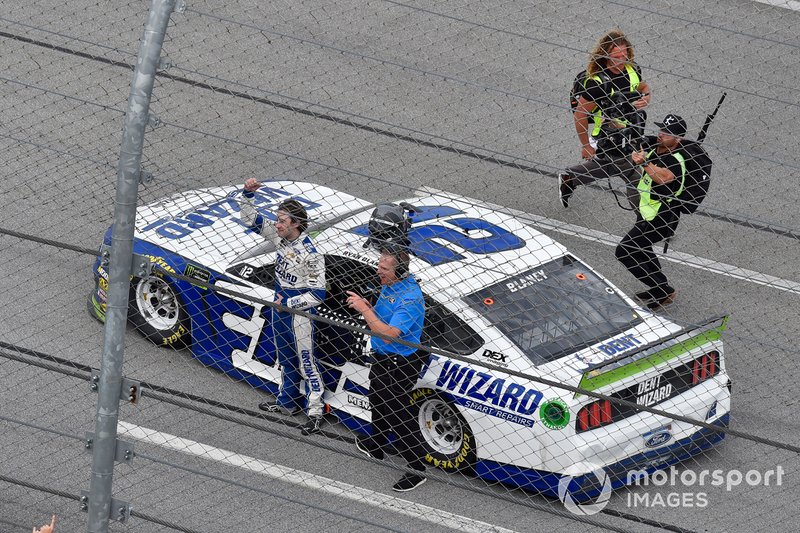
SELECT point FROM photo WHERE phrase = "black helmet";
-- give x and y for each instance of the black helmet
(388, 225)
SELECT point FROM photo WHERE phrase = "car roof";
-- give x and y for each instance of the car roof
(481, 263)
(203, 225)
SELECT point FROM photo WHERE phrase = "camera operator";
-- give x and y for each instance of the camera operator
(611, 69)
(663, 178)
(620, 135)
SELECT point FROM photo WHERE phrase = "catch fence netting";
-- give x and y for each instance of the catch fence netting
(538, 359)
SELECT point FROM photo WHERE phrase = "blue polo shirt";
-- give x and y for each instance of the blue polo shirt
(401, 306)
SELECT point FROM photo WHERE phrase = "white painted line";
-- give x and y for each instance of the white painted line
(308, 480)
(701, 263)
(786, 4)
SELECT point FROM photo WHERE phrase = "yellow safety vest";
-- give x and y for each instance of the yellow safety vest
(649, 207)
(597, 114)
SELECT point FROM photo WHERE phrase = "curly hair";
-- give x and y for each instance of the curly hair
(296, 212)
(599, 55)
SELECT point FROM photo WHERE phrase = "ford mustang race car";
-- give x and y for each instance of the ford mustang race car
(512, 318)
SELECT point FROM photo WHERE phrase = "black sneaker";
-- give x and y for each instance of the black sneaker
(314, 425)
(565, 189)
(644, 297)
(663, 302)
(363, 447)
(272, 406)
(409, 482)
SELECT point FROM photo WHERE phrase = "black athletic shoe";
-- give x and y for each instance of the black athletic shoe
(663, 302)
(565, 189)
(314, 425)
(408, 482)
(272, 406)
(361, 445)
(644, 297)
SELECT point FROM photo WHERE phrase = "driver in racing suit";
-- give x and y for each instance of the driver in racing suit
(299, 284)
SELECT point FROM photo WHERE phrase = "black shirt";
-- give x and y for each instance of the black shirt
(595, 90)
(668, 161)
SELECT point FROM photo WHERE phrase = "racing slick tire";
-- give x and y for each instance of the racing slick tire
(446, 437)
(158, 313)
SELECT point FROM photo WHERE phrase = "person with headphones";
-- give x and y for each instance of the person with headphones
(300, 285)
(399, 313)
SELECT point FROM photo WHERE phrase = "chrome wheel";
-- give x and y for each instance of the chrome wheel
(157, 303)
(441, 427)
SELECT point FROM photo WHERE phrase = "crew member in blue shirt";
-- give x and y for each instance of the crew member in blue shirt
(399, 313)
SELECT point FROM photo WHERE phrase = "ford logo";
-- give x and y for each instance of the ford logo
(657, 439)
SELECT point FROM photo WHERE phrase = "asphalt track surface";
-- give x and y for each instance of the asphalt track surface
(376, 98)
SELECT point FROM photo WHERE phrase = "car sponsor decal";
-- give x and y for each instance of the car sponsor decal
(597, 379)
(606, 350)
(658, 437)
(160, 262)
(497, 358)
(195, 272)
(185, 223)
(497, 413)
(487, 393)
(652, 391)
(358, 401)
(554, 414)
(620, 344)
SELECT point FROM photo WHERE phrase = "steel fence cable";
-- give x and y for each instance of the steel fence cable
(536, 379)
(711, 213)
(58, 151)
(314, 442)
(644, 9)
(582, 51)
(69, 496)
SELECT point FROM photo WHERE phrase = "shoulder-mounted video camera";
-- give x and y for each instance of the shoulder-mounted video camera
(623, 125)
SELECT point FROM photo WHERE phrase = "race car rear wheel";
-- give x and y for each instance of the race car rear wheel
(158, 313)
(446, 436)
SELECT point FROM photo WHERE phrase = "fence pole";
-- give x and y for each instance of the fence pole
(128, 174)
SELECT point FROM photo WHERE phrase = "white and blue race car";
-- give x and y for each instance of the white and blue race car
(510, 314)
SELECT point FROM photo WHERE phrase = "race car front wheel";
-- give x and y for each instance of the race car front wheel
(446, 436)
(158, 313)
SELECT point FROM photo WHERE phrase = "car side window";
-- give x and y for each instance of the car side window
(446, 331)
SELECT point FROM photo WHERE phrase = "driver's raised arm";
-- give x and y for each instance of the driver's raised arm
(251, 217)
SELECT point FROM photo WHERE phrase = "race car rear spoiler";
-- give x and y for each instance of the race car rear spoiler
(652, 354)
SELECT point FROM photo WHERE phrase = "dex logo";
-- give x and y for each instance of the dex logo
(495, 356)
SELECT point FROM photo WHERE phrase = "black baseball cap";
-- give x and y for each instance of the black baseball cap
(674, 125)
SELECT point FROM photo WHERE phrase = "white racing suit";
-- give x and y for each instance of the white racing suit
(300, 281)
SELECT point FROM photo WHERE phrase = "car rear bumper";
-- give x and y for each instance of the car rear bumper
(587, 486)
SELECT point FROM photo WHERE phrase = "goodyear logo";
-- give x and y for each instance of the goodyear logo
(160, 262)
(485, 389)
